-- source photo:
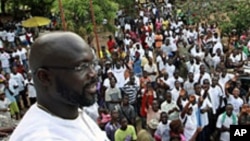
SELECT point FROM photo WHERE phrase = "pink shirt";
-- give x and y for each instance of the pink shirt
(153, 115)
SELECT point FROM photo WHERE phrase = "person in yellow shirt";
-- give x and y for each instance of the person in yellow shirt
(125, 132)
(104, 53)
(165, 24)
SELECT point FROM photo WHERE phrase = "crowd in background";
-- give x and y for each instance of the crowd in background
(160, 78)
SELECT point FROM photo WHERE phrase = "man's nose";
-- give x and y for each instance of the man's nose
(92, 72)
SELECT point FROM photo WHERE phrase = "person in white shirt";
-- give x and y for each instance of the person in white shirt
(127, 26)
(170, 67)
(112, 95)
(200, 77)
(64, 82)
(191, 130)
(170, 107)
(1, 43)
(163, 129)
(175, 91)
(189, 84)
(4, 35)
(150, 39)
(22, 52)
(204, 107)
(151, 68)
(127, 41)
(217, 46)
(118, 70)
(235, 57)
(196, 51)
(106, 82)
(137, 79)
(5, 60)
(30, 89)
(235, 100)
(4, 105)
(20, 82)
(216, 95)
(195, 67)
(224, 121)
(216, 59)
(225, 77)
(11, 38)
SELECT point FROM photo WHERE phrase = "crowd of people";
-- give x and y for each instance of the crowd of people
(17, 90)
(182, 81)
(159, 78)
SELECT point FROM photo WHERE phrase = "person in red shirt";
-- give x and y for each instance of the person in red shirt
(147, 100)
(111, 44)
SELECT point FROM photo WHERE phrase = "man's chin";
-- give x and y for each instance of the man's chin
(87, 102)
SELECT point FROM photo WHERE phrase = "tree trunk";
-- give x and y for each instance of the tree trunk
(15, 7)
(3, 2)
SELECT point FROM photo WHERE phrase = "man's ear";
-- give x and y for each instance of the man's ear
(44, 76)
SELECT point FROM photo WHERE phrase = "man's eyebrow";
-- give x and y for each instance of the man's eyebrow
(86, 61)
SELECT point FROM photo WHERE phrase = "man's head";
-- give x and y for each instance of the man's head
(114, 114)
(223, 72)
(164, 117)
(112, 82)
(206, 84)
(215, 81)
(124, 123)
(14, 70)
(229, 109)
(197, 88)
(150, 61)
(62, 64)
(190, 76)
(125, 100)
(132, 80)
(177, 84)
(176, 74)
(236, 92)
(155, 105)
(168, 96)
(145, 74)
(202, 69)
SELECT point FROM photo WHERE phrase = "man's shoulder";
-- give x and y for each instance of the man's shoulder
(130, 127)
(30, 126)
(35, 135)
(37, 124)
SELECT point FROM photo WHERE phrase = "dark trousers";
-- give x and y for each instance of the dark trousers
(32, 100)
(24, 99)
(204, 134)
(17, 97)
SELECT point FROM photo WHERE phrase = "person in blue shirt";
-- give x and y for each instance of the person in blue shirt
(137, 65)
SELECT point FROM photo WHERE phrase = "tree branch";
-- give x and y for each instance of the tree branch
(48, 3)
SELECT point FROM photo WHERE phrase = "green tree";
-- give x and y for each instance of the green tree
(78, 14)
(38, 7)
(3, 8)
(240, 17)
(128, 6)
(227, 14)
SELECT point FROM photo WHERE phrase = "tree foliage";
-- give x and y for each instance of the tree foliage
(233, 14)
(38, 7)
(78, 14)
(35, 7)
(127, 5)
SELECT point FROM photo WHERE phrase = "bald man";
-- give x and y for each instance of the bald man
(62, 65)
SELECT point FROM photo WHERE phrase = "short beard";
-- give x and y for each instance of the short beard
(73, 97)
